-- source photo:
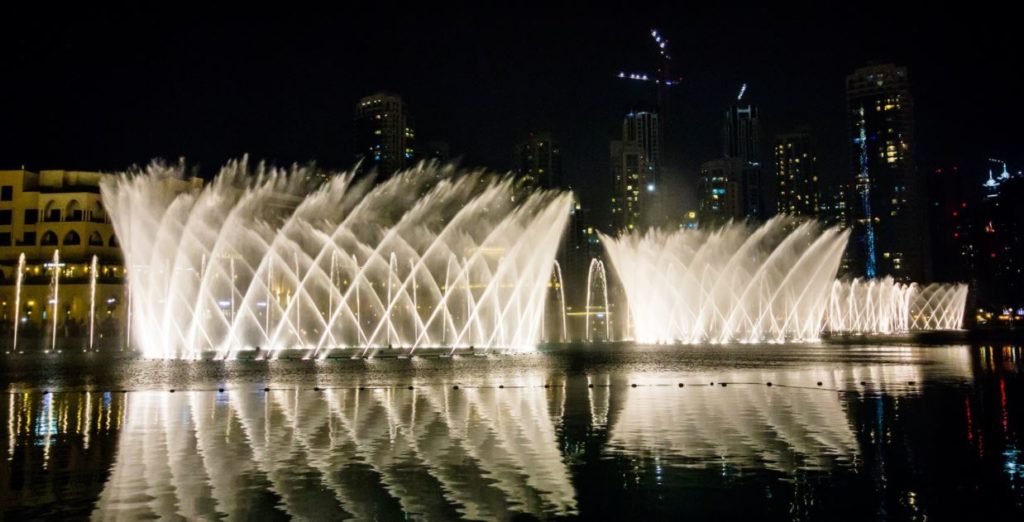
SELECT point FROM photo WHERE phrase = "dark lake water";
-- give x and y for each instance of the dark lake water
(598, 432)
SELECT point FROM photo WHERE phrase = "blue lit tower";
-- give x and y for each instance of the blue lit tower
(889, 236)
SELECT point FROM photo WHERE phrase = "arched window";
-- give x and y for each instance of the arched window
(51, 212)
(95, 239)
(114, 242)
(73, 212)
(72, 238)
(99, 215)
(49, 239)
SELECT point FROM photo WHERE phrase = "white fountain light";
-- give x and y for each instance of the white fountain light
(884, 306)
(773, 283)
(258, 259)
(736, 283)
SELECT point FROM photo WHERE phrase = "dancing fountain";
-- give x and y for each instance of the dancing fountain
(887, 307)
(261, 259)
(773, 283)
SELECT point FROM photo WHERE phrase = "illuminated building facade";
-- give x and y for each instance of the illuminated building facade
(385, 139)
(796, 174)
(727, 191)
(629, 168)
(888, 224)
(56, 210)
(539, 161)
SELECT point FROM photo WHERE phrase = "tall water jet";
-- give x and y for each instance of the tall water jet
(596, 273)
(883, 306)
(93, 271)
(55, 296)
(206, 264)
(17, 300)
(561, 301)
(737, 283)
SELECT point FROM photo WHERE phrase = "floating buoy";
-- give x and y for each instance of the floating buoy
(590, 386)
(819, 383)
(501, 386)
(769, 383)
(723, 384)
(633, 385)
(681, 385)
(455, 387)
(172, 390)
(221, 390)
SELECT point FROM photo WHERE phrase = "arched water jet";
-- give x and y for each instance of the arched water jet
(561, 301)
(773, 283)
(275, 252)
(597, 269)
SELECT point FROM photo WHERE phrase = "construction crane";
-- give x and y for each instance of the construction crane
(662, 77)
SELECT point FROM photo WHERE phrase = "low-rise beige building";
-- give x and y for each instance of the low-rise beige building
(58, 211)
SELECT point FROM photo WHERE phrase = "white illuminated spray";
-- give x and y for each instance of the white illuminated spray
(17, 300)
(561, 301)
(55, 296)
(93, 271)
(432, 216)
(773, 283)
(743, 90)
(597, 273)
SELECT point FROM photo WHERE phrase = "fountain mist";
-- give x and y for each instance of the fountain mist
(425, 258)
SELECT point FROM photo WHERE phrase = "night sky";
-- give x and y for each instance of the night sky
(102, 90)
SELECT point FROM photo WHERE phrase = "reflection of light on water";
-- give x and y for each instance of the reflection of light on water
(793, 425)
(10, 426)
(484, 452)
(738, 426)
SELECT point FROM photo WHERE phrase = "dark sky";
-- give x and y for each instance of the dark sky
(102, 90)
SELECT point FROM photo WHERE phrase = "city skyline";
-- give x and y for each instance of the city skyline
(292, 99)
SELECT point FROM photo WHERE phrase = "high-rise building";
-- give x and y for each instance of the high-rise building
(998, 243)
(741, 140)
(719, 191)
(951, 210)
(539, 161)
(644, 128)
(742, 133)
(888, 224)
(834, 210)
(385, 139)
(728, 190)
(796, 174)
(636, 167)
(629, 165)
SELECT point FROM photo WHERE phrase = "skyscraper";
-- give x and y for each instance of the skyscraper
(718, 192)
(539, 161)
(643, 127)
(741, 140)
(636, 171)
(724, 191)
(888, 224)
(629, 166)
(384, 135)
(742, 133)
(796, 174)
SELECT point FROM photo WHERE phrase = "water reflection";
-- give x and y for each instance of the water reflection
(436, 452)
(889, 432)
